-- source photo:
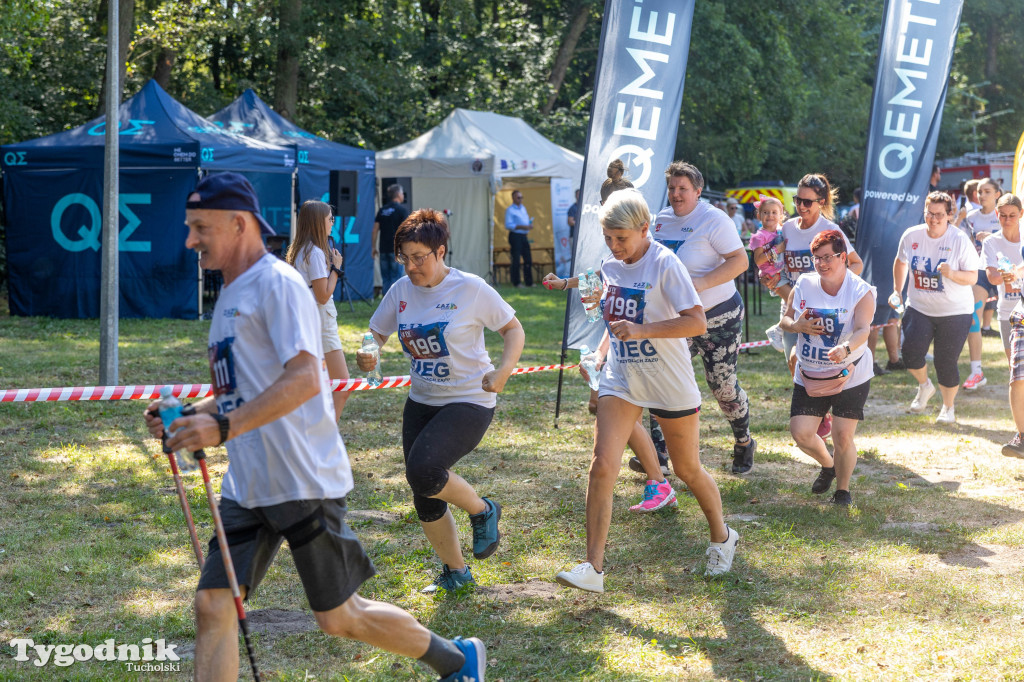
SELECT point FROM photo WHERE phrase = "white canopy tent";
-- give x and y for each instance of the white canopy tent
(461, 163)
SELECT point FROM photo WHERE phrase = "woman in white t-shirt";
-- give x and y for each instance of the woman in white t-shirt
(706, 242)
(650, 308)
(1004, 243)
(944, 267)
(439, 314)
(980, 224)
(308, 254)
(1010, 210)
(831, 311)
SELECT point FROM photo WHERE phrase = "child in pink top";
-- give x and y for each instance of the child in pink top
(768, 246)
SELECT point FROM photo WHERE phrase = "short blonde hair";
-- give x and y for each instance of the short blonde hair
(625, 209)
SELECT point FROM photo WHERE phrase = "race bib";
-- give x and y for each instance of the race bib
(222, 366)
(624, 304)
(927, 280)
(799, 261)
(424, 341)
(673, 245)
(830, 320)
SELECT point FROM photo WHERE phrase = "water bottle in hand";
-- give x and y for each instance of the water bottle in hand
(588, 361)
(897, 303)
(170, 409)
(1003, 263)
(373, 377)
(590, 284)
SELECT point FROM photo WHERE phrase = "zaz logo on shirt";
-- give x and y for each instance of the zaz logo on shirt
(446, 306)
(231, 312)
(642, 285)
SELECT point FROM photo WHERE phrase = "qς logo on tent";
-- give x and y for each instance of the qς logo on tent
(88, 236)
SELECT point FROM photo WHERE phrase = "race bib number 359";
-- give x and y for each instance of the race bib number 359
(624, 304)
(424, 342)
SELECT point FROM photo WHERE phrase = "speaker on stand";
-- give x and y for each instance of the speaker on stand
(344, 190)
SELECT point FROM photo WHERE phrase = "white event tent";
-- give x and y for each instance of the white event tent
(461, 164)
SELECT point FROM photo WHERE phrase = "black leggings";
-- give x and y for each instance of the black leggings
(434, 438)
(949, 333)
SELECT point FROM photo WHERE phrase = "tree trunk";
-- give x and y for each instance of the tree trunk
(290, 40)
(577, 23)
(125, 33)
(164, 66)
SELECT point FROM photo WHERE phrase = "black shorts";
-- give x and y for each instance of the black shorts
(672, 414)
(848, 404)
(990, 288)
(327, 554)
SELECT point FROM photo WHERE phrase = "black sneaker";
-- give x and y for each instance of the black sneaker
(635, 465)
(988, 331)
(824, 480)
(743, 456)
(1015, 448)
(880, 371)
(841, 498)
(897, 366)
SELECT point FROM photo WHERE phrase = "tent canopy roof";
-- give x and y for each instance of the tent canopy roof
(474, 143)
(157, 130)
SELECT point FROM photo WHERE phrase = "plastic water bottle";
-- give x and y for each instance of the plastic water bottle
(373, 377)
(588, 361)
(897, 303)
(170, 409)
(1003, 263)
(589, 284)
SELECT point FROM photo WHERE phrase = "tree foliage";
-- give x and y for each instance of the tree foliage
(774, 89)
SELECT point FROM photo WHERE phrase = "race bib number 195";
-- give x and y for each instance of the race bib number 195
(927, 280)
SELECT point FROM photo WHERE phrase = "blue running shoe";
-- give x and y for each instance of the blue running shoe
(476, 661)
(485, 530)
(449, 580)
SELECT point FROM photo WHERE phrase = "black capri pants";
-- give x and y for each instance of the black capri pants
(434, 438)
(949, 333)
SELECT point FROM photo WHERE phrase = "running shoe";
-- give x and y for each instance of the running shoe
(841, 498)
(743, 456)
(824, 480)
(1015, 448)
(476, 661)
(635, 465)
(485, 530)
(720, 554)
(825, 427)
(975, 381)
(924, 394)
(582, 577)
(449, 580)
(897, 366)
(989, 331)
(656, 496)
(946, 416)
(775, 335)
(879, 370)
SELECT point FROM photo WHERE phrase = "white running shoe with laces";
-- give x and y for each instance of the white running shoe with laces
(720, 554)
(975, 381)
(582, 577)
(924, 394)
(946, 416)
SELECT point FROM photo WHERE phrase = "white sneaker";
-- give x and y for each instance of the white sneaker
(774, 335)
(583, 577)
(924, 394)
(946, 416)
(720, 554)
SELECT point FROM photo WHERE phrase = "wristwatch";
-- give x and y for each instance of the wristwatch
(224, 424)
(335, 270)
(847, 347)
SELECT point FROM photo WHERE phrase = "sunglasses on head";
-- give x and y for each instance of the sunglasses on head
(806, 203)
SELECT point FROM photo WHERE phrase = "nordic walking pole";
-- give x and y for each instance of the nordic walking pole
(185, 507)
(229, 567)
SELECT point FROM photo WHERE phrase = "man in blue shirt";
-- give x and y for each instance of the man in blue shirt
(518, 223)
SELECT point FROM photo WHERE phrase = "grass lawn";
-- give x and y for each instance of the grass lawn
(922, 578)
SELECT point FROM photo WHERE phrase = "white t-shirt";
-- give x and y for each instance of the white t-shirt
(990, 250)
(928, 292)
(798, 244)
(263, 319)
(441, 330)
(649, 372)
(312, 264)
(977, 222)
(700, 239)
(837, 313)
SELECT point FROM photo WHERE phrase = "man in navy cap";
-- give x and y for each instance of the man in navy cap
(288, 471)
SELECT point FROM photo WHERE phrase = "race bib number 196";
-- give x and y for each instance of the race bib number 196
(424, 342)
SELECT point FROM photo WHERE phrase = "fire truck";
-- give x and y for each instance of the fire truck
(957, 171)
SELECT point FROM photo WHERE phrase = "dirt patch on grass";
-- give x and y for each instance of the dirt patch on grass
(372, 516)
(533, 589)
(278, 622)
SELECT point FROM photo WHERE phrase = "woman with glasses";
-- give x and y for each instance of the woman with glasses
(940, 302)
(830, 310)
(705, 240)
(440, 314)
(308, 255)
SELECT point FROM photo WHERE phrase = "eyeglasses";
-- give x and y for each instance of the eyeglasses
(826, 258)
(935, 216)
(806, 203)
(415, 260)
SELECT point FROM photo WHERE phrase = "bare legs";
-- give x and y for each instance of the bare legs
(337, 369)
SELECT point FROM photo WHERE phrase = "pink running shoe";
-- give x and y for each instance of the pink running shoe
(656, 496)
(825, 427)
(975, 381)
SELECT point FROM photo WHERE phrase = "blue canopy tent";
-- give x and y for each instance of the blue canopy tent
(250, 116)
(53, 196)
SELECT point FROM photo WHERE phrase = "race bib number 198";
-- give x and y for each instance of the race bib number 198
(624, 304)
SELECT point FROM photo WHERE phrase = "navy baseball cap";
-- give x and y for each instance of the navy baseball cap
(228, 192)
